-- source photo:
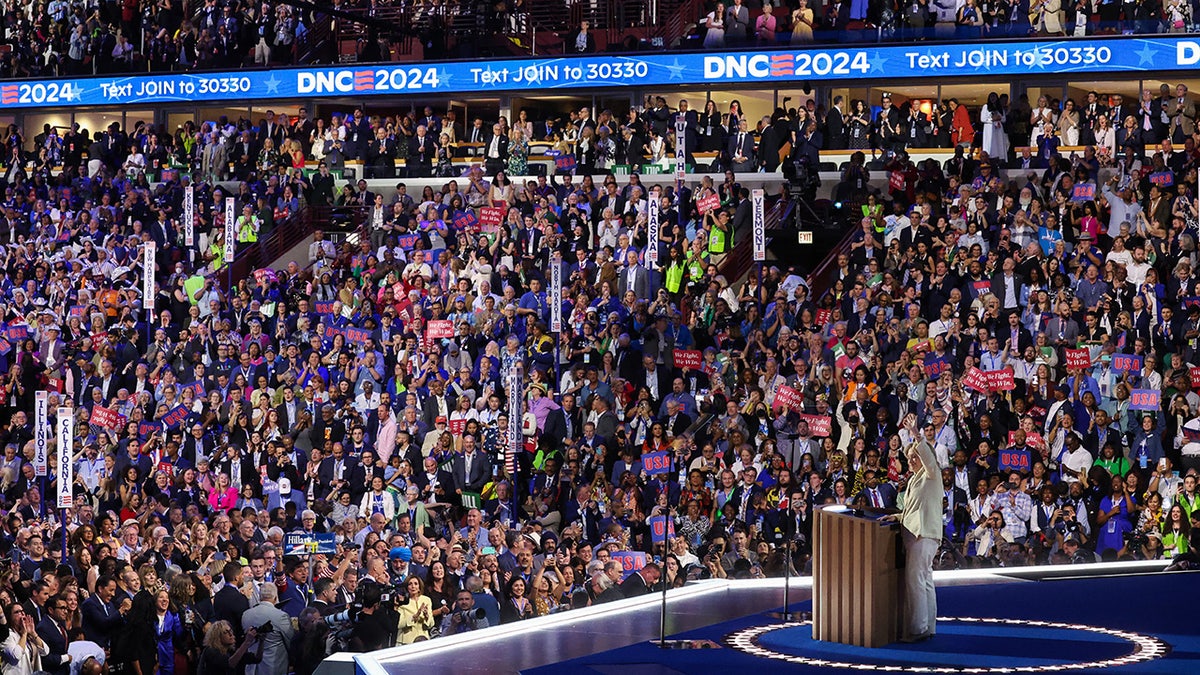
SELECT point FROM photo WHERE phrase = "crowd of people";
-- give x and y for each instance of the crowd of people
(1037, 329)
(63, 38)
(740, 23)
(69, 38)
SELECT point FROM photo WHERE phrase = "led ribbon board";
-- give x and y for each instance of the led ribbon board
(1095, 56)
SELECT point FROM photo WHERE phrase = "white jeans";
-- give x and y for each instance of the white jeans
(918, 583)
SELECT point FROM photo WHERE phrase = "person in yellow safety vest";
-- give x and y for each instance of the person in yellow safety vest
(216, 250)
(718, 234)
(874, 211)
(696, 264)
(675, 272)
(247, 227)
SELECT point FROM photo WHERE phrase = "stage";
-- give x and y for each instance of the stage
(1079, 619)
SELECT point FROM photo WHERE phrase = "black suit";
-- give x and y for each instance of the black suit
(357, 135)
(432, 408)
(108, 391)
(573, 45)
(286, 422)
(678, 425)
(662, 376)
(628, 362)
(634, 585)
(1024, 339)
(322, 189)
(741, 144)
(445, 480)
(691, 134)
(36, 611)
(614, 201)
(495, 154)
(421, 151)
(743, 221)
(481, 472)
(326, 472)
(1000, 288)
(229, 604)
(556, 424)
(478, 135)
(529, 242)
(835, 130)
(381, 154)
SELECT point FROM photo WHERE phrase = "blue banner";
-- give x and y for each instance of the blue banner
(1144, 399)
(661, 528)
(304, 543)
(656, 463)
(1052, 57)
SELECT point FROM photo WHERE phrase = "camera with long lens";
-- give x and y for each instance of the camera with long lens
(473, 614)
(1136, 539)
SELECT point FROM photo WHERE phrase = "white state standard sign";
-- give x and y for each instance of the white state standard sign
(148, 292)
(760, 228)
(189, 216)
(556, 294)
(230, 243)
(652, 229)
(66, 455)
(41, 433)
(680, 148)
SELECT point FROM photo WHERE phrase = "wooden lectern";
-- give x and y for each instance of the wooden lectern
(856, 580)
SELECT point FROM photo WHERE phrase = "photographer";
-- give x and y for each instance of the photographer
(371, 629)
(219, 657)
(310, 646)
(274, 629)
(1066, 525)
(465, 617)
(1076, 554)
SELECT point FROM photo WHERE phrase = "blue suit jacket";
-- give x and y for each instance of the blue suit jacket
(293, 599)
(99, 626)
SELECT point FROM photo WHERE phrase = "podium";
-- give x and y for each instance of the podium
(857, 583)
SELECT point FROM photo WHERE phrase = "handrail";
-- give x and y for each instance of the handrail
(740, 260)
(820, 280)
(287, 234)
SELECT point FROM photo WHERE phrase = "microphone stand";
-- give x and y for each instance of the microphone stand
(668, 528)
(787, 583)
(662, 619)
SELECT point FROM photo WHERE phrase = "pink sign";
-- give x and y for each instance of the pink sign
(706, 204)
(977, 380)
(688, 358)
(1078, 358)
(789, 398)
(1000, 380)
(440, 328)
(820, 426)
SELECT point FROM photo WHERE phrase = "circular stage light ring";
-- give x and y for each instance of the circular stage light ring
(1145, 648)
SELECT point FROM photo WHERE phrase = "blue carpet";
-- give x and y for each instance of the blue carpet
(1162, 606)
